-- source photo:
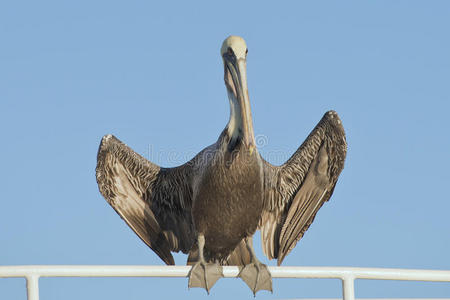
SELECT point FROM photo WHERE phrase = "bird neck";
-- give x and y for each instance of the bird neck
(240, 127)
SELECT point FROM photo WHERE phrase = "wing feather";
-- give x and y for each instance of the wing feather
(295, 191)
(155, 202)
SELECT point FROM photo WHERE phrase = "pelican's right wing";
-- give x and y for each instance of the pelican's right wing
(155, 202)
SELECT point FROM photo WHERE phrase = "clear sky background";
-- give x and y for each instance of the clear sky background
(151, 74)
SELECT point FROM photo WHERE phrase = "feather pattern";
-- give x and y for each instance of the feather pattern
(296, 190)
(155, 202)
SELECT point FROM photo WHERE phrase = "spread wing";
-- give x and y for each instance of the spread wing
(295, 191)
(155, 202)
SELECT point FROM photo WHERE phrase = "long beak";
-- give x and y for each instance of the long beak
(236, 82)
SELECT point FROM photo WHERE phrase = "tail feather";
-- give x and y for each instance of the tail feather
(239, 257)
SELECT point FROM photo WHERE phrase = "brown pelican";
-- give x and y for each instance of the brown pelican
(211, 206)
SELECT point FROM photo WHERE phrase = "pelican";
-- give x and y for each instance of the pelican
(211, 206)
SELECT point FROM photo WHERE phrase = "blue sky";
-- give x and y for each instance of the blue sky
(151, 74)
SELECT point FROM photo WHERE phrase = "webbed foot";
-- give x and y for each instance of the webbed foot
(257, 276)
(205, 275)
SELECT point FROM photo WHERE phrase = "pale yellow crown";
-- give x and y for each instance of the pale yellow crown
(237, 44)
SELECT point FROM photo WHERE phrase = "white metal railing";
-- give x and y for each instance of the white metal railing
(348, 275)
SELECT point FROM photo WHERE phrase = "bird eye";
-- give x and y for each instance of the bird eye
(230, 51)
(246, 51)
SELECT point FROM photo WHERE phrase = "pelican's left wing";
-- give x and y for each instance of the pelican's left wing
(294, 192)
(155, 202)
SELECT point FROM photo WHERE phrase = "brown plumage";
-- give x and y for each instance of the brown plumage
(211, 206)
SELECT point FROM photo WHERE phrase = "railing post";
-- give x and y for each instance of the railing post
(33, 287)
(348, 288)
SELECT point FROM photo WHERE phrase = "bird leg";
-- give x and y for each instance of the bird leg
(204, 274)
(256, 274)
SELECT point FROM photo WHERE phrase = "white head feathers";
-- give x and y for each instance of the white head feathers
(237, 44)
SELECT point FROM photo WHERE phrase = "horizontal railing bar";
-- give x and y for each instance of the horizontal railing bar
(229, 271)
